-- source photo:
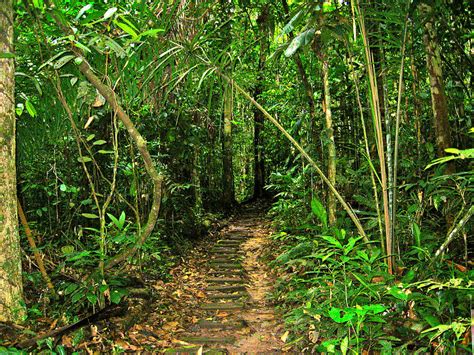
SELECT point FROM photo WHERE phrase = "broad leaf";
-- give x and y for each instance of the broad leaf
(109, 13)
(302, 39)
(319, 211)
(341, 316)
(63, 61)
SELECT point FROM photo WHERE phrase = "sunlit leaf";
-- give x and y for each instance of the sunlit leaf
(84, 159)
(126, 28)
(302, 39)
(109, 13)
(30, 108)
(63, 61)
(82, 11)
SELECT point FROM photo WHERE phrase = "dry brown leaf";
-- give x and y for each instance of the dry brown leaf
(221, 314)
(170, 326)
(99, 100)
(179, 342)
(284, 337)
(53, 325)
(89, 121)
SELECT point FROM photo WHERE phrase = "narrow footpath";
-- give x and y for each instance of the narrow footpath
(222, 296)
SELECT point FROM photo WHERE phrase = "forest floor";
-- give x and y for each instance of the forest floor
(217, 299)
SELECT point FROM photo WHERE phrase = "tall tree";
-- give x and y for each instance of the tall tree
(259, 154)
(228, 191)
(439, 102)
(11, 287)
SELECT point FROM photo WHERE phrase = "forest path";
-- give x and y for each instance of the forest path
(229, 312)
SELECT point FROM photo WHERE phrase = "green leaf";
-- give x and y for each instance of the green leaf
(106, 151)
(341, 316)
(63, 187)
(89, 215)
(99, 142)
(114, 220)
(63, 61)
(19, 109)
(332, 241)
(319, 211)
(116, 296)
(115, 47)
(109, 13)
(344, 345)
(350, 244)
(30, 108)
(70, 289)
(78, 256)
(76, 297)
(81, 46)
(151, 33)
(67, 249)
(82, 11)
(290, 26)
(126, 28)
(398, 293)
(432, 320)
(302, 39)
(452, 151)
(91, 298)
(7, 55)
(417, 234)
(90, 137)
(375, 308)
(84, 159)
(122, 219)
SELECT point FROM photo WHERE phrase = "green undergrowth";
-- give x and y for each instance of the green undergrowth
(336, 295)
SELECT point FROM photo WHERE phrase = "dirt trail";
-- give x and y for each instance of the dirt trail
(231, 315)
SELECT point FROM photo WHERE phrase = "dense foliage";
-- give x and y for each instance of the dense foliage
(353, 83)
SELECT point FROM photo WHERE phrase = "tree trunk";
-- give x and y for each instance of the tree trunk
(228, 173)
(438, 97)
(11, 286)
(195, 177)
(331, 146)
(259, 154)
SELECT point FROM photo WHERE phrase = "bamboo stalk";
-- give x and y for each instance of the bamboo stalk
(375, 105)
(397, 131)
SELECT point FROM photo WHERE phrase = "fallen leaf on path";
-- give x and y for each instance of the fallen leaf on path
(125, 346)
(222, 314)
(170, 326)
(284, 337)
(179, 342)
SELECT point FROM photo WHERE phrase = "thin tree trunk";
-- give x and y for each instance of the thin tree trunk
(195, 177)
(11, 285)
(331, 145)
(438, 96)
(416, 102)
(228, 196)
